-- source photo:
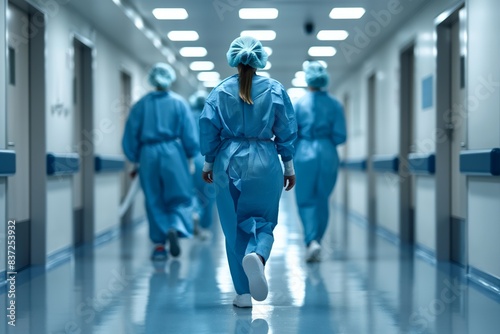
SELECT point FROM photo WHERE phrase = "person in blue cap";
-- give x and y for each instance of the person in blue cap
(248, 120)
(204, 193)
(321, 123)
(160, 136)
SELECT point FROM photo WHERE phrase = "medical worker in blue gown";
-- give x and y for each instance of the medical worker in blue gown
(321, 123)
(160, 136)
(204, 193)
(248, 120)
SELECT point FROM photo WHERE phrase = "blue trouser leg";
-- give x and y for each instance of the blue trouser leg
(322, 209)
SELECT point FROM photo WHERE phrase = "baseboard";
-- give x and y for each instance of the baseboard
(59, 256)
(425, 253)
(388, 235)
(485, 281)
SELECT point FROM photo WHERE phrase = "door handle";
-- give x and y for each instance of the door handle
(11, 144)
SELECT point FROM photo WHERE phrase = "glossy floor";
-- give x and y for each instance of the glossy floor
(363, 285)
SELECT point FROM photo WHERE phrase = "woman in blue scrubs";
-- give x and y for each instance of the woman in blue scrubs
(321, 123)
(204, 193)
(248, 120)
(160, 136)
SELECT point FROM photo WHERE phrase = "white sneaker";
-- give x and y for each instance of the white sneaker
(254, 269)
(243, 301)
(313, 252)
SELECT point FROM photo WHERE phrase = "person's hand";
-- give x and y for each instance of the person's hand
(208, 177)
(289, 182)
(133, 173)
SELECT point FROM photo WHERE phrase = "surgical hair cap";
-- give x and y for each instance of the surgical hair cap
(316, 75)
(197, 100)
(162, 75)
(246, 50)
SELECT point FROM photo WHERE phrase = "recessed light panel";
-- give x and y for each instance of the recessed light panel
(347, 13)
(258, 13)
(193, 52)
(262, 35)
(201, 66)
(170, 13)
(322, 51)
(332, 35)
(183, 35)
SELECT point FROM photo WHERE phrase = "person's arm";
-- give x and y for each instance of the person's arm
(189, 135)
(285, 131)
(131, 142)
(339, 135)
(210, 128)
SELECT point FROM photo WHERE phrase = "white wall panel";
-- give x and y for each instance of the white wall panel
(358, 193)
(425, 213)
(59, 213)
(387, 194)
(484, 224)
(106, 201)
(483, 89)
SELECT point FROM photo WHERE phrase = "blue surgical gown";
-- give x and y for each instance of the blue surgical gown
(321, 123)
(243, 141)
(160, 135)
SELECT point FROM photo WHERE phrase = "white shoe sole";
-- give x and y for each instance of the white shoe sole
(239, 301)
(254, 269)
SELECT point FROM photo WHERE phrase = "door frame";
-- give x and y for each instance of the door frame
(406, 101)
(37, 129)
(443, 141)
(87, 164)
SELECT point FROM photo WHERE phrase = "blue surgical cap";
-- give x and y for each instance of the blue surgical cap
(197, 100)
(316, 75)
(162, 75)
(246, 50)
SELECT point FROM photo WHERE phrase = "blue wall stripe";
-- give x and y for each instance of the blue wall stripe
(58, 257)
(480, 162)
(484, 280)
(109, 164)
(354, 164)
(7, 162)
(422, 163)
(385, 163)
(425, 253)
(62, 164)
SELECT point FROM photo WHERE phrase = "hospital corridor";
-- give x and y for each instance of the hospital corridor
(249, 166)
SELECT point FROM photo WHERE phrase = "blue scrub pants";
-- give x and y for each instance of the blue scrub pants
(167, 186)
(316, 167)
(248, 210)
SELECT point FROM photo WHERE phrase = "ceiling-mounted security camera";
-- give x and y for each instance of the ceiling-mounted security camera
(309, 28)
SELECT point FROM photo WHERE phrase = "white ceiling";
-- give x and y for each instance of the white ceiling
(218, 27)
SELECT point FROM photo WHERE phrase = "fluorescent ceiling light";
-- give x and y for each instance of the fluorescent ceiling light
(322, 62)
(262, 35)
(332, 35)
(322, 51)
(268, 66)
(258, 13)
(183, 35)
(170, 13)
(300, 75)
(268, 50)
(208, 76)
(139, 23)
(347, 13)
(264, 74)
(201, 66)
(193, 52)
(211, 84)
(296, 93)
(298, 82)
